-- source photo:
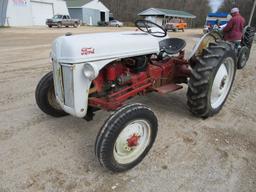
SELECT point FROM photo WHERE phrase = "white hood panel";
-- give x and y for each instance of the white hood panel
(103, 46)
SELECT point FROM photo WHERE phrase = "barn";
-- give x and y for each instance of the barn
(90, 12)
(29, 12)
(162, 16)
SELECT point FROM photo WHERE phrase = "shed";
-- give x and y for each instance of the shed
(88, 11)
(162, 16)
(29, 12)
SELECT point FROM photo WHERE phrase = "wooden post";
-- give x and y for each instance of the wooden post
(252, 12)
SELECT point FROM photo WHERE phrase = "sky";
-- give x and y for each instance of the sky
(215, 4)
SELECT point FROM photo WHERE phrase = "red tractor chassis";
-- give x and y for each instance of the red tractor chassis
(160, 76)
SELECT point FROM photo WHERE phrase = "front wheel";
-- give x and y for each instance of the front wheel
(126, 137)
(212, 77)
(243, 57)
(45, 97)
(59, 25)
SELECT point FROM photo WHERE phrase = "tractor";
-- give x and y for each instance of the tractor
(103, 71)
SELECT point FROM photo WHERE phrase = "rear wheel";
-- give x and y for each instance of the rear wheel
(50, 26)
(248, 37)
(212, 77)
(244, 52)
(45, 97)
(126, 137)
(75, 25)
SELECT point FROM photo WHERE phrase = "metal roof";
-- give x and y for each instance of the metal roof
(166, 12)
(77, 3)
(218, 14)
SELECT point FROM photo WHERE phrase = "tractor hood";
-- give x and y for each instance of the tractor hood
(103, 46)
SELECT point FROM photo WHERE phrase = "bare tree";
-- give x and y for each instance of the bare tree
(128, 10)
(244, 6)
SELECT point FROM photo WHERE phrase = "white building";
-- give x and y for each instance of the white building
(90, 12)
(162, 16)
(30, 12)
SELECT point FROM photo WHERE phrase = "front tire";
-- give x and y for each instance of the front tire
(243, 57)
(126, 137)
(211, 80)
(59, 25)
(45, 97)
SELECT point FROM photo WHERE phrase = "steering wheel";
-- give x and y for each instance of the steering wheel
(151, 28)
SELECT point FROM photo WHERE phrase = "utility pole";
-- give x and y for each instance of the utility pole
(234, 3)
(252, 13)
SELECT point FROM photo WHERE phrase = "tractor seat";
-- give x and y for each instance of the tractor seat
(172, 45)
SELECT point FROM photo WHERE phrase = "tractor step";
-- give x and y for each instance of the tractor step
(168, 88)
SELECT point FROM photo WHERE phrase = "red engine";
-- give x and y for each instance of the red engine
(123, 79)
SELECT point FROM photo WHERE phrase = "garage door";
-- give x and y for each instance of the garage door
(41, 12)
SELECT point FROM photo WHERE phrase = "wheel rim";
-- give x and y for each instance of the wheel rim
(132, 141)
(52, 99)
(222, 82)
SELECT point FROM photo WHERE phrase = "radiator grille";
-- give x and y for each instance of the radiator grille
(67, 71)
(63, 82)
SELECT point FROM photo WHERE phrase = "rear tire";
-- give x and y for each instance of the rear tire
(248, 37)
(45, 97)
(211, 80)
(126, 137)
(50, 26)
(75, 25)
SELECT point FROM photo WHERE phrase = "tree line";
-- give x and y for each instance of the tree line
(244, 6)
(127, 11)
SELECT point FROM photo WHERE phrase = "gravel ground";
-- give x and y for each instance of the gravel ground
(42, 153)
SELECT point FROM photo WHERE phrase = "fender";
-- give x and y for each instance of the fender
(203, 42)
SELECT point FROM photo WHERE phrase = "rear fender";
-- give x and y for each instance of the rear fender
(203, 43)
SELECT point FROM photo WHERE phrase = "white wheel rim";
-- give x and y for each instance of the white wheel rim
(125, 154)
(222, 82)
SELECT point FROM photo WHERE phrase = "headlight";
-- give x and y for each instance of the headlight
(89, 72)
